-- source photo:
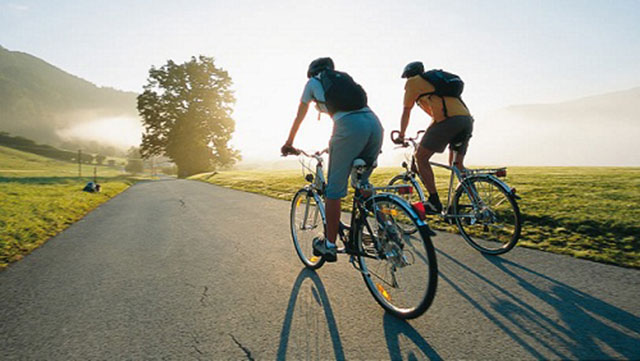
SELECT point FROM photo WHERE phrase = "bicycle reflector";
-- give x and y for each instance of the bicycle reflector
(501, 172)
(405, 189)
(419, 208)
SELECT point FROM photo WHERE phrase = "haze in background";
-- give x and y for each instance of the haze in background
(507, 52)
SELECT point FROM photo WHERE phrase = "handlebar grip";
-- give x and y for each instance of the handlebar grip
(395, 138)
(289, 151)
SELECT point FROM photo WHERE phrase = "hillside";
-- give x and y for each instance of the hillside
(621, 107)
(18, 164)
(590, 131)
(38, 100)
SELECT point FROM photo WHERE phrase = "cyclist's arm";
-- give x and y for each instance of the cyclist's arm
(404, 120)
(302, 112)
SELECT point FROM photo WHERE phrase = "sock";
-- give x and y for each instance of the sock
(329, 244)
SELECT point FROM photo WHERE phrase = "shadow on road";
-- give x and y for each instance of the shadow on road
(548, 313)
(394, 328)
(315, 311)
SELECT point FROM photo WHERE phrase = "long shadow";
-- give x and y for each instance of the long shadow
(582, 314)
(587, 318)
(320, 296)
(394, 328)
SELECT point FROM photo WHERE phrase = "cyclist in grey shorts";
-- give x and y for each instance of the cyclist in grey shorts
(357, 133)
(452, 123)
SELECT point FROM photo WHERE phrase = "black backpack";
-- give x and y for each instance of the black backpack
(341, 93)
(445, 84)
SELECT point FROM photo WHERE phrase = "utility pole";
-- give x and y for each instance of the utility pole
(80, 163)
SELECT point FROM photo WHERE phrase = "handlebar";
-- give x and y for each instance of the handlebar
(404, 142)
(310, 154)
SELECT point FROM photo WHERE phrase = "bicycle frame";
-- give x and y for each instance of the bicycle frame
(359, 211)
(460, 176)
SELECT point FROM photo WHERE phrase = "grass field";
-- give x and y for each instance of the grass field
(586, 212)
(39, 197)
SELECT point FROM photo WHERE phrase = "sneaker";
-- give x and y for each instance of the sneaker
(322, 247)
(433, 205)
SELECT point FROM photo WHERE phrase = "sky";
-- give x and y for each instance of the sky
(507, 52)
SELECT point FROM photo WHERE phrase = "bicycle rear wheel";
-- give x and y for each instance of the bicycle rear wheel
(398, 268)
(411, 195)
(307, 222)
(493, 226)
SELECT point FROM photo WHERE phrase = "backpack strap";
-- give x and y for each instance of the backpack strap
(444, 103)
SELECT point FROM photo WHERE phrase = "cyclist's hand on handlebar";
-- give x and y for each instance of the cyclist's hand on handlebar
(288, 149)
(398, 138)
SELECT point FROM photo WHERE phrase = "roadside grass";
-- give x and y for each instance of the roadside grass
(39, 197)
(585, 212)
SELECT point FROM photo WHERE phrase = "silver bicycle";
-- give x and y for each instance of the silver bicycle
(399, 269)
(484, 208)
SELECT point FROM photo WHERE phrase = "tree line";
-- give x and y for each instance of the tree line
(27, 145)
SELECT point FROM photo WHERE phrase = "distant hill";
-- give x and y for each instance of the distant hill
(37, 99)
(620, 107)
(595, 130)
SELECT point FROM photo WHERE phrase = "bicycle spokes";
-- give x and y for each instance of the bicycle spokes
(487, 216)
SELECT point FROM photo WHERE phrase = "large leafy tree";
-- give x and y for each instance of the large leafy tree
(186, 110)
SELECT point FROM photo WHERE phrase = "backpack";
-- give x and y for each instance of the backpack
(341, 93)
(445, 84)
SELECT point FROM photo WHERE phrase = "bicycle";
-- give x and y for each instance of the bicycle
(483, 207)
(399, 270)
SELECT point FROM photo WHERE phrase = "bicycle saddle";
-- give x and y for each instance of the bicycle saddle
(360, 163)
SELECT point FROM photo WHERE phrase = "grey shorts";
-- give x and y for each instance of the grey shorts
(356, 135)
(453, 130)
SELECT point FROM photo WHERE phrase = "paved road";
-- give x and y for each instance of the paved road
(182, 269)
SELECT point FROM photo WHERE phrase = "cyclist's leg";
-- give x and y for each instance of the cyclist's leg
(423, 155)
(374, 143)
(465, 125)
(349, 139)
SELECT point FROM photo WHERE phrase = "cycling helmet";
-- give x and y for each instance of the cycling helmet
(413, 69)
(319, 65)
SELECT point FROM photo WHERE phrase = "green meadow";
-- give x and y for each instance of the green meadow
(39, 197)
(585, 212)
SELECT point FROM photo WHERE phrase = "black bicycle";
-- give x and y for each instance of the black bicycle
(399, 269)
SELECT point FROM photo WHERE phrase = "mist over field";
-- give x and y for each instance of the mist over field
(602, 130)
(47, 104)
(44, 103)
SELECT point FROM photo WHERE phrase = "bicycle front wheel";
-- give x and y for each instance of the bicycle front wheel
(487, 215)
(307, 222)
(398, 268)
(412, 194)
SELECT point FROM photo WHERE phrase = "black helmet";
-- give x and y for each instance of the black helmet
(319, 65)
(413, 69)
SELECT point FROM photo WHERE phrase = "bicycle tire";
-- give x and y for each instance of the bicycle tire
(305, 204)
(484, 229)
(418, 278)
(417, 195)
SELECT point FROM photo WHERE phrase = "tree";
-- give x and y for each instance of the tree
(100, 158)
(186, 111)
(134, 166)
(133, 153)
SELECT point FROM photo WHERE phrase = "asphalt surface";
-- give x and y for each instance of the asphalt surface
(183, 270)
